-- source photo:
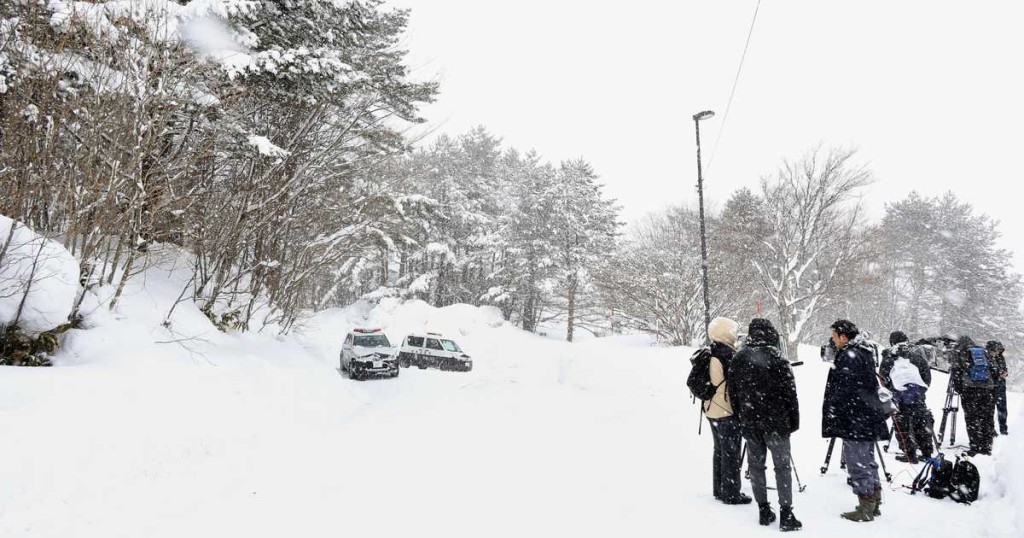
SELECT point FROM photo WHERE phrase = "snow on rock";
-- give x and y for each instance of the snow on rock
(38, 276)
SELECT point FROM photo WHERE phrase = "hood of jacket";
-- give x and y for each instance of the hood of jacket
(862, 342)
(761, 332)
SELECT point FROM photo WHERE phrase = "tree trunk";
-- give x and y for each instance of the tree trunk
(573, 280)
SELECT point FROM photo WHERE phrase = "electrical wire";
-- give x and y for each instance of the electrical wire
(735, 81)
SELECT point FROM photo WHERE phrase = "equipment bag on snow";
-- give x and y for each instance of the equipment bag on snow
(978, 370)
(941, 482)
(965, 482)
(699, 380)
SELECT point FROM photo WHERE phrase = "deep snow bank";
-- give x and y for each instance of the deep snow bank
(147, 428)
(37, 275)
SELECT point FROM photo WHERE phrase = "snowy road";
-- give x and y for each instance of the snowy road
(260, 437)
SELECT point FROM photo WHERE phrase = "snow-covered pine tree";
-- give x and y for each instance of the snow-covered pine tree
(585, 226)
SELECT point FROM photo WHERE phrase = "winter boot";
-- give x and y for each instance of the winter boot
(865, 510)
(787, 521)
(878, 502)
(765, 515)
(739, 498)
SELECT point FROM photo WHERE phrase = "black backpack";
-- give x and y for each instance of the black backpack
(965, 482)
(941, 482)
(699, 380)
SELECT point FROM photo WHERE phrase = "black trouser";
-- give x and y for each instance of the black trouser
(1000, 395)
(914, 429)
(726, 462)
(979, 406)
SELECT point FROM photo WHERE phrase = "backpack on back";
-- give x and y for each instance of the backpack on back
(699, 380)
(978, 370)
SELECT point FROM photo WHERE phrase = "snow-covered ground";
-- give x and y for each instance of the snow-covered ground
(140, 431)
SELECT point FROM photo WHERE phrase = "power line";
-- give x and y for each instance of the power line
(735, 81)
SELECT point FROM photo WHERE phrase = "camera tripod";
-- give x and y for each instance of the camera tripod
(842, 460)
(952, 405)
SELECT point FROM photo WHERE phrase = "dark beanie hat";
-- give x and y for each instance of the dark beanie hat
(896, 337)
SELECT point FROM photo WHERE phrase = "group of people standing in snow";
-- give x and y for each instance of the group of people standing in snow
(755, 400)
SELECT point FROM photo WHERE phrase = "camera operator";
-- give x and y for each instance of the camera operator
(973, 377)
(853, 412)
(906, 372)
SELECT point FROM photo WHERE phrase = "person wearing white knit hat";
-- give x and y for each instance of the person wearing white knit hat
(725, 430)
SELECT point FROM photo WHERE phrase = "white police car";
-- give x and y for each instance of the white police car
(368, 353)
(430, 350)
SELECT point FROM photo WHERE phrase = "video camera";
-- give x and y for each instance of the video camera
(938, 351)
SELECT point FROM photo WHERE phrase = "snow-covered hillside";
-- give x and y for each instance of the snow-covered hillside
(141, 431)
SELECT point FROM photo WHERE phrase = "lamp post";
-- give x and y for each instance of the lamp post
(707, 114)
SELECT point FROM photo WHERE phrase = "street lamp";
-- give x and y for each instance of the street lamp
(707, 114)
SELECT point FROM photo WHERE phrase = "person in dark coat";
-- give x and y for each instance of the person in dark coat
(906, 372)
(764, 400)
(976, 387)
(995, 352)
(853, 412)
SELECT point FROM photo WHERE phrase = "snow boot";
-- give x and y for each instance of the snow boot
(787, 521)
(765, 515)
(878, 502)
(865, 510)
(740, 498)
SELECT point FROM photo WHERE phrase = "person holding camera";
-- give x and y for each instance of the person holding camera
(852, 411)
(973, 376)
(906, 372)
(764, 399)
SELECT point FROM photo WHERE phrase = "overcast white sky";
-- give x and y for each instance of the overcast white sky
(930, 92)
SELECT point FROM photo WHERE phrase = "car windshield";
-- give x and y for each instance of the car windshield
(371, 340)
(451, 346)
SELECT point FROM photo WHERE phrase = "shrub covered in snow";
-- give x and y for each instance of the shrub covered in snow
(38, 279)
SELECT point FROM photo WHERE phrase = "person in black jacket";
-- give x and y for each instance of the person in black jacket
(976, 386)
(905, 370)
(764, 401)
(995, 352)
(853, 412)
